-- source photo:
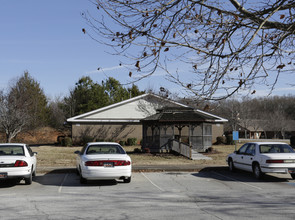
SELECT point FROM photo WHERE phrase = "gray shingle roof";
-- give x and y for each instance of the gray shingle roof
(180, 114)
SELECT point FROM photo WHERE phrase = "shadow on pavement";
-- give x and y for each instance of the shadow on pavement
(60, 178)
(7, 183)
(223, 174)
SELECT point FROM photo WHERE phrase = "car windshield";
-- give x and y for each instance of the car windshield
(105, 149)
(11, 150)
(275, 148)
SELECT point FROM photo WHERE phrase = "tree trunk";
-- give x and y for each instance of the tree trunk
(8, 138)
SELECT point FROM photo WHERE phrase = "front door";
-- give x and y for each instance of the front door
(239, 157)
(249, 157)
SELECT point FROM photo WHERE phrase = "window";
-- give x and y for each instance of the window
(105, 149)
(243, 149)
(196, 130)
(149, 131)
(275, 148)
(207, 129)
(30, 150)
(11, 150)
(83, 149)
(251, 150)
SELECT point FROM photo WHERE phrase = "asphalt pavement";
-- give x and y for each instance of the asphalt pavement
(213, 194)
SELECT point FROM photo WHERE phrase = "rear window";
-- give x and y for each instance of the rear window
(275, 148)
(11, 150)
(105, 149)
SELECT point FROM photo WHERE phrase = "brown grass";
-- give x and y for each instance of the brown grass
(52, 156)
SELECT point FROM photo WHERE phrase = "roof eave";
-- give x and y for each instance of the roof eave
(219, 119)
(104, 120)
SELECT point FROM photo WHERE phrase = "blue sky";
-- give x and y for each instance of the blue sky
(45, 38)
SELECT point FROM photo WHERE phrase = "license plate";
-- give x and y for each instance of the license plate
(108, 164)
(291, 170)
(3, 175)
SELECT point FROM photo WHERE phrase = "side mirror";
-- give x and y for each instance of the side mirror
(77, 152)
(35, 153)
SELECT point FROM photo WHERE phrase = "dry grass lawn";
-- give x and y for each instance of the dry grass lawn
(53, 156)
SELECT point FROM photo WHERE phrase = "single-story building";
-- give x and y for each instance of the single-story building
(120, 121)
(264, 129)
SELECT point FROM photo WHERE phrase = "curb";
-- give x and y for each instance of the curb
(138, 169)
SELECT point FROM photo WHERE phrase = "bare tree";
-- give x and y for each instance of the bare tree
(225, 46)
(278, 122)
(231, 110)
(12, 119)
(57, 117)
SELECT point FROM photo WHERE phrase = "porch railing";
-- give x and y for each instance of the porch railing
(181, 148)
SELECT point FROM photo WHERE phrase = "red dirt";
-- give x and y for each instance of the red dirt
(45, 135)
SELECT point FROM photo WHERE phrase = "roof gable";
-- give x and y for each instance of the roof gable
(131, 110)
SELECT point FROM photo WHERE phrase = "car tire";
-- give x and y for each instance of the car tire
(293, 175)
(82, 179)
(127, 180)
(34, 173)
(231, 165)
(257, 171)
(29, 180)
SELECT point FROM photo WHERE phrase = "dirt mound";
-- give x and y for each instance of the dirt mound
(44, 135)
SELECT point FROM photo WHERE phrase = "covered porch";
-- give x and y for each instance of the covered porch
(189, 128)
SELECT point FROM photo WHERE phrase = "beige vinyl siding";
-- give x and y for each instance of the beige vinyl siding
(107, 131)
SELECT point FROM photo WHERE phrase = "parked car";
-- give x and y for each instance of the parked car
(263, 157)
(17, 161)
(103, 160)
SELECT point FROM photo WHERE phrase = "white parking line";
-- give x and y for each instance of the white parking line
(152, 182)
(247, 184)
(62, 183)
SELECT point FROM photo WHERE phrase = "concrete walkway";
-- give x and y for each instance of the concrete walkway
(198, 156)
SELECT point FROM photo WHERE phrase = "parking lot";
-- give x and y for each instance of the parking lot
(209, 194)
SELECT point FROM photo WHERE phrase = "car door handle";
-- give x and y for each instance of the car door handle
(242, 157)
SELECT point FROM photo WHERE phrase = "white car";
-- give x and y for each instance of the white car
(17, 161)
(263, 157)
(103, 161)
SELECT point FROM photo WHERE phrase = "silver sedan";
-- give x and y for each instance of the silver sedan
(263, 157)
